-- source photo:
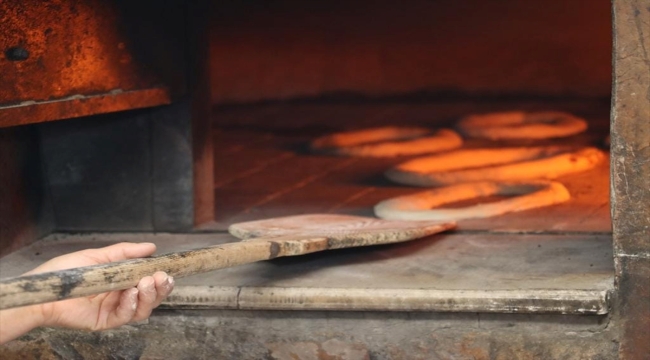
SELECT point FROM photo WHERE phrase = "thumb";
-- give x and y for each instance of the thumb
(122, 251)
(117, 252)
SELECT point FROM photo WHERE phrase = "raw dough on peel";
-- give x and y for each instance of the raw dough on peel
(504, 164)
(387, 142)
(527, 195)
(521, 125)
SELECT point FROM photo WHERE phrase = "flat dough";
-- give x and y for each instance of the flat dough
(387, 142)
(527, 195)
(521, 125)
(500, 164)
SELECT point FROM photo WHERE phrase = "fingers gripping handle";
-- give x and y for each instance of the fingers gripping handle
(97, 279)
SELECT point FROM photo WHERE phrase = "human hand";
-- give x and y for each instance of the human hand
(97, 312)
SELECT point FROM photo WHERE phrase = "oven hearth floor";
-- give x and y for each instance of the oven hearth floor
(533, 273)
(552, 260)
(262, 168)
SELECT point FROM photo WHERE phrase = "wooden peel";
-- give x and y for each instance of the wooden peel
(264, 239)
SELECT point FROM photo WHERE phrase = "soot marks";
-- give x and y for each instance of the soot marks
(274, 250)
(29, 287)
(70, 280)
(109, 276)
(185, 254)
(32, 285)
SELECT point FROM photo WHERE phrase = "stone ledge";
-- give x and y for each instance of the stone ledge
(568, 302)
(456, 272)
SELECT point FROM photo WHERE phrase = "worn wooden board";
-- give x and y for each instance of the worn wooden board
(264, 240)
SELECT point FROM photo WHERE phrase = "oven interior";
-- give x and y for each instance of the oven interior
(284, 73)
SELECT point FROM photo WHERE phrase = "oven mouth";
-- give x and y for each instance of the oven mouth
(240, 152)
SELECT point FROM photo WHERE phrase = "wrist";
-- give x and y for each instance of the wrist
(32, 316)
(38, 315)
(18, 321)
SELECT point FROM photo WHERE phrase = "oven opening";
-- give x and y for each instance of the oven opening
(493, 116)
(324, 108)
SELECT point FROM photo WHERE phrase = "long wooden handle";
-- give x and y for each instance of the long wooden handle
(97, 279)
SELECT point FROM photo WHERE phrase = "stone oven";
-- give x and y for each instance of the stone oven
(169, 121)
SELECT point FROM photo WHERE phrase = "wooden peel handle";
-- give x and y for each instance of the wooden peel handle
(97, 279)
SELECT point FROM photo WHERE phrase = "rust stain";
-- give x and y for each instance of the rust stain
(82, 106)
(71, 48)
(74, 48)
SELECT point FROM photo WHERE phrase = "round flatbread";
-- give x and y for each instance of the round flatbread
(387, 142)
(525, 196)
(521, 125)
(499, 164)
